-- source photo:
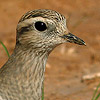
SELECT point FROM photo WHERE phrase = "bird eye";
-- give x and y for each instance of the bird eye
(40, 26)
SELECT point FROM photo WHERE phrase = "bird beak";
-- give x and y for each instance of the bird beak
(73, 39)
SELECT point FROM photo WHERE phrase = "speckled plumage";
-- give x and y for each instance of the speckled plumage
(21, 78)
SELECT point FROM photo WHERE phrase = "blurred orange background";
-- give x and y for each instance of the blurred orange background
(68, 63)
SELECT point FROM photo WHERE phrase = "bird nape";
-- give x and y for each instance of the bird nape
(38, 33)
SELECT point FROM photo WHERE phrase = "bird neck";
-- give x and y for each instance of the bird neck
(26, 71)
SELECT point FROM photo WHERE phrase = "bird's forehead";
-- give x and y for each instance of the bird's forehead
(44, 13)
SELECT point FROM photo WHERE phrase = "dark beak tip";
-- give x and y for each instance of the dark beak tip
(85, 44)
(81, 42)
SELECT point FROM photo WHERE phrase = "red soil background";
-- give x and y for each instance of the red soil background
(68, 63)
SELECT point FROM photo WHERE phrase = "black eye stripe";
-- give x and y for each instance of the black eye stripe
(24, 29)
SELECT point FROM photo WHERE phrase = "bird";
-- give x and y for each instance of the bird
(38, 32)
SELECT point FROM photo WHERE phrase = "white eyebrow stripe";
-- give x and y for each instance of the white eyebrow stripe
(30, 21)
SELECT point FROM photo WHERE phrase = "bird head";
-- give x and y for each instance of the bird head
(44, 29)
